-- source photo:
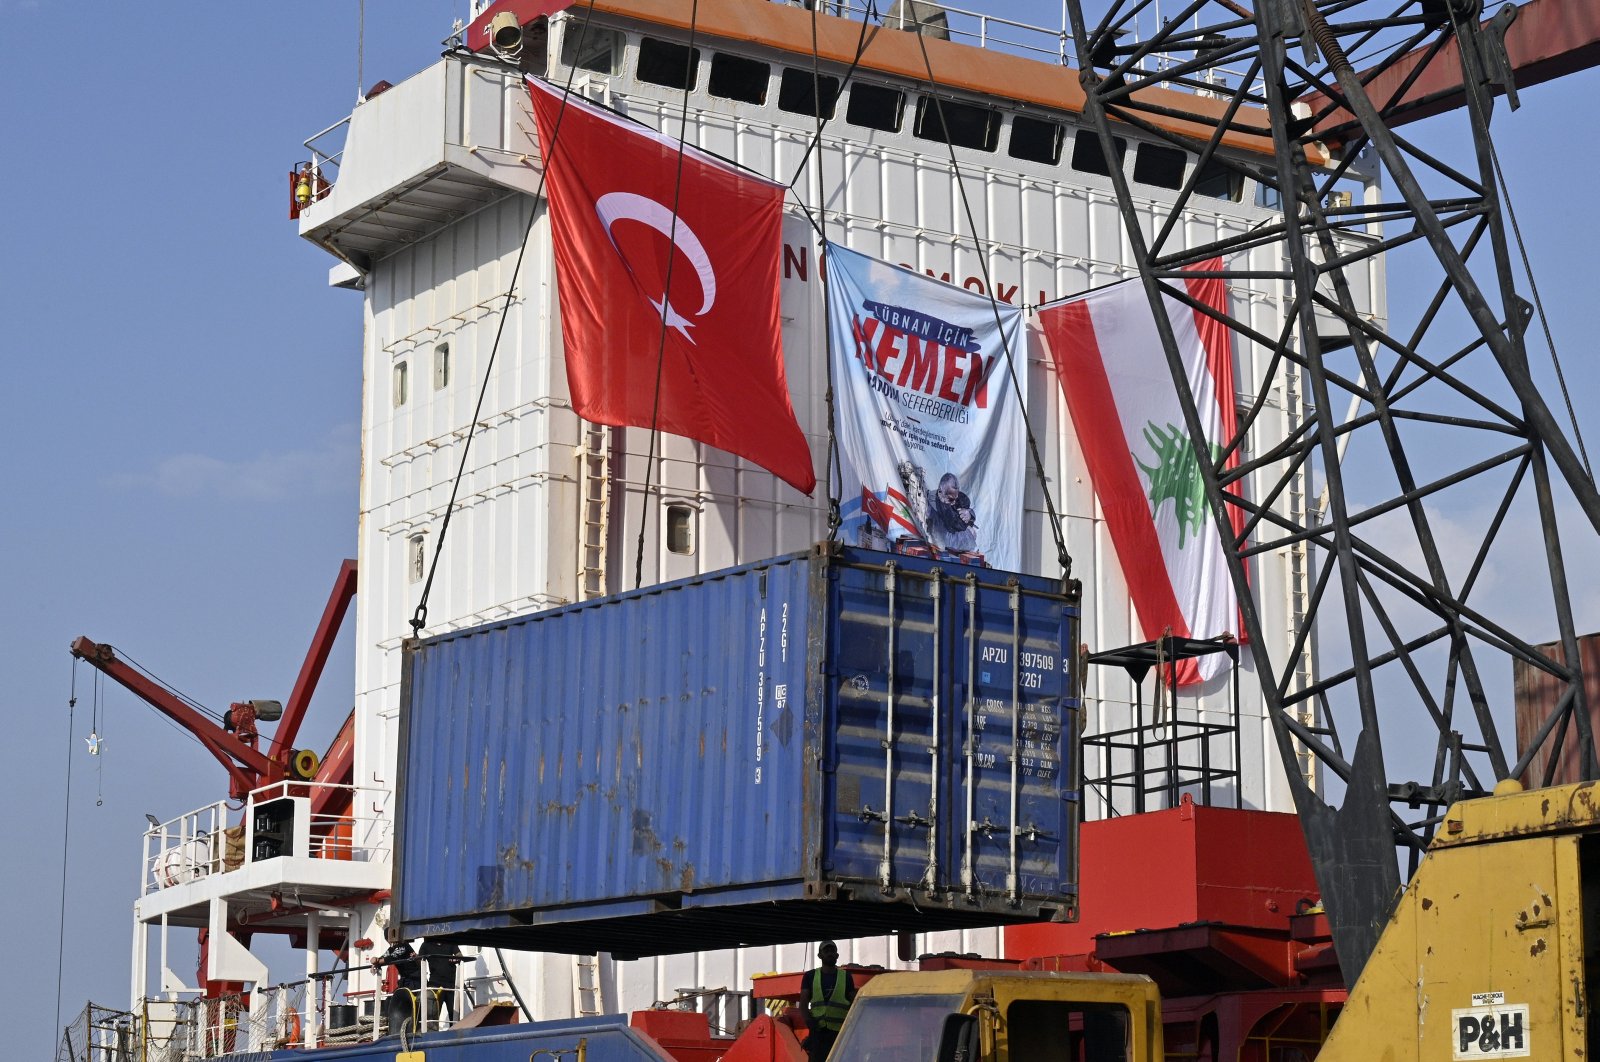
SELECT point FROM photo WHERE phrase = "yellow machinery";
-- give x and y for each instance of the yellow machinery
(1489, 953)
(968, 1015)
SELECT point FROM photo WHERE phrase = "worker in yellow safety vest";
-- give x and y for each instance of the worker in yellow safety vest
(825, 997)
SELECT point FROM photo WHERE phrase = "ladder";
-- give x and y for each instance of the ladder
(594, 509)
(587, 998)
(1299, 581)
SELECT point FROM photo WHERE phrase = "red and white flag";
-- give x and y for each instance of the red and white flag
(611, 185)
(1130, 426)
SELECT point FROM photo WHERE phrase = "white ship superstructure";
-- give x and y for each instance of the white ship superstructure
(430, 194)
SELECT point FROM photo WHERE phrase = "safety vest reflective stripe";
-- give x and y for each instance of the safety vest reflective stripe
(829, 1008)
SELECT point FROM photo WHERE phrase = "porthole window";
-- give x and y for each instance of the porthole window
(416, 558)
(680, 529)
(667, 64)
(441, 366)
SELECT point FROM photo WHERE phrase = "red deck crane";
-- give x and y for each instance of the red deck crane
(236, 742)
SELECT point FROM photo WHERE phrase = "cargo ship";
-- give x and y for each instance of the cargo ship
(950, 142)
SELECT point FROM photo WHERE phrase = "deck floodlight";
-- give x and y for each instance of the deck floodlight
(505, 35)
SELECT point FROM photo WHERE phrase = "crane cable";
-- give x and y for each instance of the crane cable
(66, 834)
(1062, 555)
(419, 618)
(834, 462)
(666, 294)
(1538, 303)
(1527, 265)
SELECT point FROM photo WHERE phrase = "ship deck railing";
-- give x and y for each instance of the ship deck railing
(222, 836)
(312, 1012)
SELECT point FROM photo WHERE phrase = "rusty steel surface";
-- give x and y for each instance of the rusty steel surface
(727, 759)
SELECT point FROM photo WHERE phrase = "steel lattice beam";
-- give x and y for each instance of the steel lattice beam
(1405, 601)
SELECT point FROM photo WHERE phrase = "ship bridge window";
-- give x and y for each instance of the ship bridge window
(875, 107)
(1218, 180)
(1036, 139)
(1267, 194)
(734, 77)
(1159, 165)
(799, 89)
(668, 64)
(961, 124)
(1088, 157)
(584, 47)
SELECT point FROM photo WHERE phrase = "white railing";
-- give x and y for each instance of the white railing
(327, 148)
(306, 1013)
(219, 838)
(1029, 40)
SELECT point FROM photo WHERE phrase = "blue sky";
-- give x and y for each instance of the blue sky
(182, 395)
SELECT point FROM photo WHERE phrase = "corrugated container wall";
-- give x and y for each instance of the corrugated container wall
(1536, 694)
(834, 738)
(551, 508)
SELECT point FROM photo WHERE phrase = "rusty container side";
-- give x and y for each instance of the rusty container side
(1536, 694)
(836, 737)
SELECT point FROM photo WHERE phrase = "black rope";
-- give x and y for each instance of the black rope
(419, 618)
(1062, 555)
(1533, 289)
(666, 300)
(1527, 266)
(861, 48)
(164, 684)
(834, 465)
(66, 833)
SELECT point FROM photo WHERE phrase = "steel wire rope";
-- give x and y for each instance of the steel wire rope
(419, 617)
(66, 834)
(1538, 303)
(95, 737)
(1062, 555)
(164, 684)
(690, 75)
(833, 462)
(868, 13)
(1527, 266)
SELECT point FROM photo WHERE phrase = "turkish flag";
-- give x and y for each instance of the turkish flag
(610, 183)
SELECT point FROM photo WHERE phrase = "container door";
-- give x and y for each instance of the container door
(887, 680)
(1017, 726)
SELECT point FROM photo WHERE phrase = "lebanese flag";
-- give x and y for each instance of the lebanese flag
(611, 184)
(1130, 425)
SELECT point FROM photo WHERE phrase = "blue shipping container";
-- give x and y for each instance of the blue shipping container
(830, 743)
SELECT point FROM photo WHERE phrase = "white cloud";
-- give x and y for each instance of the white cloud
(325, 468)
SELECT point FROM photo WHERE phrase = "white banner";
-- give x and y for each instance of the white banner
(929, 423)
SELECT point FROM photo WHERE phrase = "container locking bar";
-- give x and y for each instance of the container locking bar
(930, 878)
(1012, 892)
(886, 865)
(970, 746)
